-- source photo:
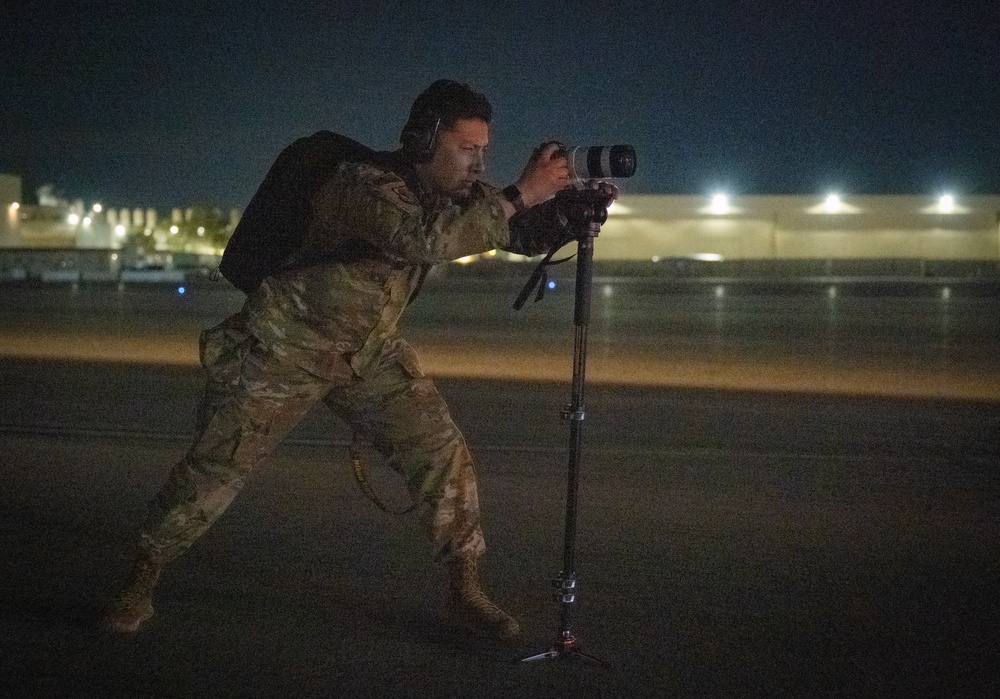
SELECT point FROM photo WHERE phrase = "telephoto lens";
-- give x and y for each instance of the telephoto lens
(600, 162)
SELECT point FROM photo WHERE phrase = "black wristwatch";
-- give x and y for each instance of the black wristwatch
(512, 194)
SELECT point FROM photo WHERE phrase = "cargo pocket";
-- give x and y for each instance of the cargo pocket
(222, 350)
(408, 359)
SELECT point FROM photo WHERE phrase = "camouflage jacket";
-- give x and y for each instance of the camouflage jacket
(374, 234)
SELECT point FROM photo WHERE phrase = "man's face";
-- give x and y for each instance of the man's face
(459, 158)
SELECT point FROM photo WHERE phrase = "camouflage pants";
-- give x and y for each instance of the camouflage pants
(253, 399)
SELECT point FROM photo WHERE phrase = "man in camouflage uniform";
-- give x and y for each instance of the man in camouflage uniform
(324, 328)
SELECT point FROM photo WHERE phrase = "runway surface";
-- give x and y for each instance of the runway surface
(923, 340)
(766, 520)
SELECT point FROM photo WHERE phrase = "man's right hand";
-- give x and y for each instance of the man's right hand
(546, 173)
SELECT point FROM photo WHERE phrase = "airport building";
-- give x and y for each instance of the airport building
(807, 235)
(829, 233)
(796, 227)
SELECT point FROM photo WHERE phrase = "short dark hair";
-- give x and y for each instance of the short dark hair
(436, 109)
(449, 101)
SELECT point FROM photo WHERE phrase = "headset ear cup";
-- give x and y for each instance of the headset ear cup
(419, 137)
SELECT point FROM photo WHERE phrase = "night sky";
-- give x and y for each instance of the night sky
(174, 103)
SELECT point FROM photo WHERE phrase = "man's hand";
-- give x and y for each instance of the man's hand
(546, 173)
(607, 190)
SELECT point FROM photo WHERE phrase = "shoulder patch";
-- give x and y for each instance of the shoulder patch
(389, 185)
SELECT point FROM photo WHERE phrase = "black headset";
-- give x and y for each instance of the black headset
(419, 136)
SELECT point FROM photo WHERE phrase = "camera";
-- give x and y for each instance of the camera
(598, 162)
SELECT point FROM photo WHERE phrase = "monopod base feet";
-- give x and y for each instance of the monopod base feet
(565, 648)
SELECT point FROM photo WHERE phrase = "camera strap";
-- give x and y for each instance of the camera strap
(540, 277)
(361, 450)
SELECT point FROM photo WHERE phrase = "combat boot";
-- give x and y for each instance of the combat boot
(134, 604)
(468, 605)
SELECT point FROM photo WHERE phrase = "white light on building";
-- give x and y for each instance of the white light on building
(73, 219)
(120, 231)
(834, 204)
(945, 204)
(719, 205)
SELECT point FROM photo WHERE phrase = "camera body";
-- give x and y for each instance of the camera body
(589, 196)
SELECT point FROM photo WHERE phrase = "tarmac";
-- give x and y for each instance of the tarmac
(833, 536)
(857, 566)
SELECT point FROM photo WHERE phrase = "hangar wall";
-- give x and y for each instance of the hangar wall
(791, 227)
